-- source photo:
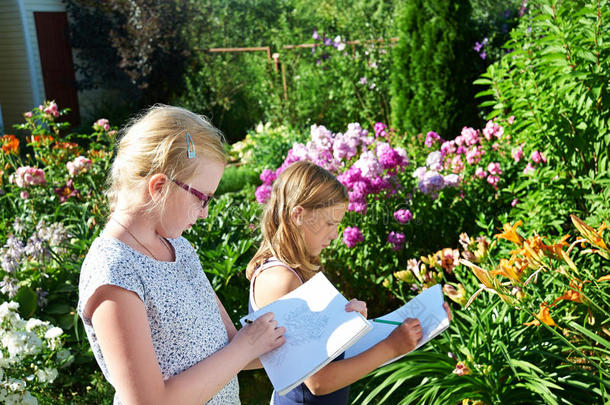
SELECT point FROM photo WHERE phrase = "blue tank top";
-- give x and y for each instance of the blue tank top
(300, 394)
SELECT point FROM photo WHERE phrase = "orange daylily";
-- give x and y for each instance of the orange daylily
(573, 294)
(510, 233)
(593, 236)
(506, 268)
(604, 278)
(556, 248)
(543, 315)
(10, 144)
(44, 139)
(484, 276)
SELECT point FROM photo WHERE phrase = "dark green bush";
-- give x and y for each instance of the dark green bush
(433, 67)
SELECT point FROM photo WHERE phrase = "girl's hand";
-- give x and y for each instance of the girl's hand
(405, 337)
(356, 306)
(261, 336)
(448, 311)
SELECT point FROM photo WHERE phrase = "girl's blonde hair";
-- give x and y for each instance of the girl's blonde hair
(155, 141)
(302, 184)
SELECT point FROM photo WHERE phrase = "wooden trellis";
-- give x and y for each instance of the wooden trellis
(275, 57)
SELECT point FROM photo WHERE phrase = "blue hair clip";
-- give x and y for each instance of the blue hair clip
(190, 147)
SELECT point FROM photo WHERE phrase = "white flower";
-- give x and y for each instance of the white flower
(53, 333)
(47, 375)
(8, 309)
(64, 357)
(28, 399)
(16, 385)
(33, 323)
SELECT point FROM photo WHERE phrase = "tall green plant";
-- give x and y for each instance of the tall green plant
(555, 82)
(433, 66)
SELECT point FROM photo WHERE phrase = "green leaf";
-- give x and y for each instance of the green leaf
(58, 309)
(28, 302)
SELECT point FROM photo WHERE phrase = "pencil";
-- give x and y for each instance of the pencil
(388, 322)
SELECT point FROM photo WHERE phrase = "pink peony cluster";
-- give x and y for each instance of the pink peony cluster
(26, 176)
(101, 125)
(50, 109)
(78, 165)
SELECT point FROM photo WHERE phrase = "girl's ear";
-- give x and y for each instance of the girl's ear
(155, 186)
(296, 214)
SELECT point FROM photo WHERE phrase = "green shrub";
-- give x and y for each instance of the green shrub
(433, 67)
(555, 82)
(236, 178)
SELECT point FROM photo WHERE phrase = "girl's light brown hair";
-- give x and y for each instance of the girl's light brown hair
(155, 142)
(302, 184)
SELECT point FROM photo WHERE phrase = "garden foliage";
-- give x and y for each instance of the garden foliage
(555, 82)
(530, 299)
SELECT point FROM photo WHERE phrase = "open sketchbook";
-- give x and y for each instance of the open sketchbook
(427, 307)
(318, 329)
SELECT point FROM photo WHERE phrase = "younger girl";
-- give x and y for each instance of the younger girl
(300, 219)
(156, 327)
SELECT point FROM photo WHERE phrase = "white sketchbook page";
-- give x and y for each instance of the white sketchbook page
(427, 307)
(318, 329)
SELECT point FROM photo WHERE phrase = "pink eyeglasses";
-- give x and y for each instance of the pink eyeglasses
(205, 199)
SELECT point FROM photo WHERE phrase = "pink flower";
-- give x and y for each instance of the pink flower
(380, 130)
(268, 177)
(358, 206)
(448, 147)
(352, 236)
(474, 154)
(529, 169)
(52, 109)
(514, 202)
(28, 114)
(517, 153)
(397, 239)
(78, 165)
(24, 195)
(493, 180)
(537, 157)
(511, 119)
(492, 129)
(403, 216)
(480, 173)
(469, 136)
(26, 176)
(494, 168)
(457, 165)
(431, 138)
(101, 125)
(263, 193)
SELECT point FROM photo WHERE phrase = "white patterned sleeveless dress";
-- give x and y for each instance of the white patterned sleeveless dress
(184, 317)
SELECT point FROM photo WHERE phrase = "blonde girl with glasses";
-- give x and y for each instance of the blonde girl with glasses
(157, 329)
(300, 219)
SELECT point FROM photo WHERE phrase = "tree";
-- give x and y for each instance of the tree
(136, 46)
(434, 66)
